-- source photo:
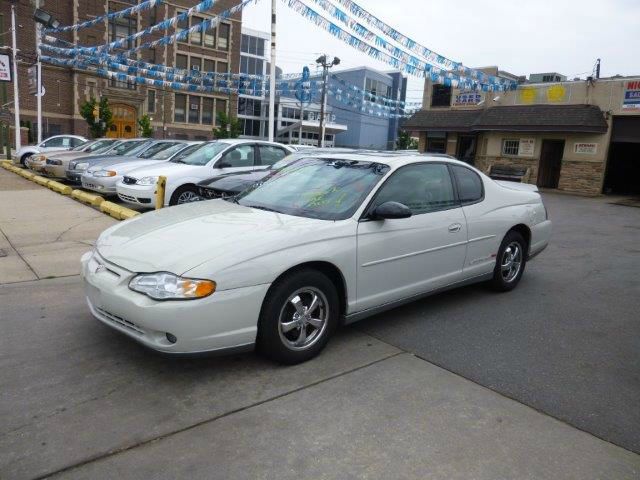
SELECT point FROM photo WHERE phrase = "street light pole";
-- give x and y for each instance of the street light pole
(16, 99)
(39, 76)
(272, 73)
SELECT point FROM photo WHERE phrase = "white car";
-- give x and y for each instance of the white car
(51, 144)
(325, 240)
(214, 158)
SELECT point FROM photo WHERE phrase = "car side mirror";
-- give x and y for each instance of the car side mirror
(390, 210)
(223, 165)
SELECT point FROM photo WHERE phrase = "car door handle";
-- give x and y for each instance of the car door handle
(455, 228)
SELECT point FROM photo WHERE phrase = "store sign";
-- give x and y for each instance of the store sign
(631, 98)
(467, 98)
(585, 148)
(315, 117)
(527, 147)
(5, 68)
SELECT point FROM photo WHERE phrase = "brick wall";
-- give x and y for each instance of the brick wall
(581, 177)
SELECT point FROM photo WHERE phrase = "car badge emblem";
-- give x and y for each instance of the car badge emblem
(99, 268)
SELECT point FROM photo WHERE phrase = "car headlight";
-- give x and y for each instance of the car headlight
(81, 166)
(104, 173)
(167, 286)
(147, 181)
(39, 158)
(52, 162)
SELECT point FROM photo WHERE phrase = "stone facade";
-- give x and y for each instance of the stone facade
(67, 89)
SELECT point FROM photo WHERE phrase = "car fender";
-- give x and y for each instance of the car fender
(174, 183)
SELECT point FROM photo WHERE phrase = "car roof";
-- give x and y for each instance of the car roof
(391, 158)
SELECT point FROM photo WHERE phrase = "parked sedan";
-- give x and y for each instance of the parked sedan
(218, 157)
(55, 164)
(233, 183)
(323, 241)
(127, 148)
(51, 144)
(104, 176)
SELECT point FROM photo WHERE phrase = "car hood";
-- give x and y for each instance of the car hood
(67, 155)
(168, 169)
(178, 239)
(121, 167)
(235, 182)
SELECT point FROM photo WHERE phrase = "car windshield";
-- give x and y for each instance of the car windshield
(84, 147)
(186, 152)
(204, 154)
(157, 148)
(128, 148)
(327, 189)
(98, 146)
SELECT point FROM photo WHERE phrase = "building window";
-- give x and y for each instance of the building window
(249, 106)
(252, 45)
(510, 147)
(183, 24)
(151, 101)
(436, 142)
(222, 67)
(208, 65)
(250, 127)
(194, 109)
(196, 63)
(180, 109)
(207, 111)
(224, 29)
(380, 89)
(210, 37)
(196, 37)
(440, 96)
(182, 61)
(221, 107)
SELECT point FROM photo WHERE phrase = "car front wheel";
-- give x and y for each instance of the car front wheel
(510, 262)
(184, 195)
(24, 158)
(298, 317)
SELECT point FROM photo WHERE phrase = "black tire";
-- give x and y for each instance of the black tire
(279, 346)
(182, 191)
(504, 281)
(23, 159)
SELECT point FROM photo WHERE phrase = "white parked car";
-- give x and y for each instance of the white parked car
(325, 240)
(51, 144)
(218, 157)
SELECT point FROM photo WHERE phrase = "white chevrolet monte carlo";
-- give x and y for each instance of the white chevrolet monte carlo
(322, 241)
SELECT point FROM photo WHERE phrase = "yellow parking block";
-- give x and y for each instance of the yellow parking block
(60, 187)
(116, 211)
(89, 198)
(26, 174)
(40, 180)
(6, 164)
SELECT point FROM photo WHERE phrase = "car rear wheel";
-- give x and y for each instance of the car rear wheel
(510, 262)
(185, 194)
(298, 317)
(24, 158)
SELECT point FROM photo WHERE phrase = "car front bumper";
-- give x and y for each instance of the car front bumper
(74, 176)
(103, 185)
(226, 320)
(55, 171)
(137, 194)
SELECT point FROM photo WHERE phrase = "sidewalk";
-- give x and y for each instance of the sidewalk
(42, 234)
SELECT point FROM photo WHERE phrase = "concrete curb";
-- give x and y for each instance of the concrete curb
(114, 210)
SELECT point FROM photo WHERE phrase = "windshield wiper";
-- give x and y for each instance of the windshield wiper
(178, 161)
(266, 209)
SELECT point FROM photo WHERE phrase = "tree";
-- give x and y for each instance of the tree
(146, 130)
(405, 142)
(227, 127)
(98, 127)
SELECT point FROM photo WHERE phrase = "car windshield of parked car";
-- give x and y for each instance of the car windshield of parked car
(156, 148)
(186, 152)
(204, 154)
(98, 146)
(327, 189)
(85, 147)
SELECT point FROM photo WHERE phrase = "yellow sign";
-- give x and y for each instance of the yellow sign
(556, 93)
(528, 95)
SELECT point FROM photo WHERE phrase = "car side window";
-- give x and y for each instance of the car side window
(53, 142)
(469, 183)
(76, 142)
(241, 156)
(424, 188)
(270, 154)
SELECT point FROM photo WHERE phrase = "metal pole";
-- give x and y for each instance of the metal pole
(323, 101)
(301, 119)
(39, 79)
(272, 73)
(16, 99)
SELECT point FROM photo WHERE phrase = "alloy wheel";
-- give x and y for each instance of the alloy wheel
(511, 262)
(303, 318)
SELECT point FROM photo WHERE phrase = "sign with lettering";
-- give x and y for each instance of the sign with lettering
(5, 68)
(631, 98)
(467, 98)
(527, 147)
(585, 148)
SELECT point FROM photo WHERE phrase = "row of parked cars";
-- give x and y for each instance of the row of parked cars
(130, 168)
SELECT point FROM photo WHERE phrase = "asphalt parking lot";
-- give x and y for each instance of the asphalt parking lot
(541, 382)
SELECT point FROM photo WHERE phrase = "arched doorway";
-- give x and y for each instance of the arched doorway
(124, 121)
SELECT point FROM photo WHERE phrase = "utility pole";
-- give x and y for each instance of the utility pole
(14, 56)
(39, 75)
(597, 69)
(272, 73)
(322, 61)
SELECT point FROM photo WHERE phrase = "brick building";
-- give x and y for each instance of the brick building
(579, 136)
(174, 114)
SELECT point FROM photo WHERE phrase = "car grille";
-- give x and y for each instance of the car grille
(129, 180)
(128, 198)
(121, 321)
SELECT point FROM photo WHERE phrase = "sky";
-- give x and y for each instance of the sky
(564, 36)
